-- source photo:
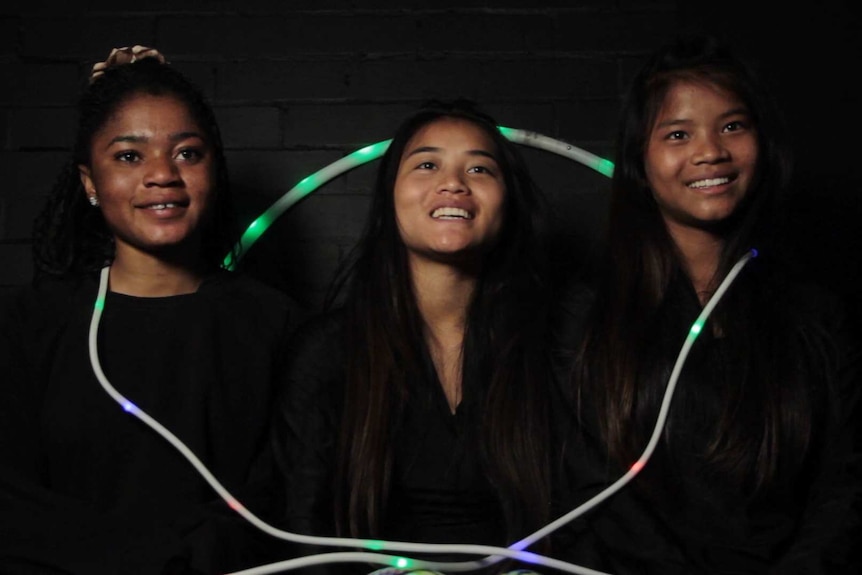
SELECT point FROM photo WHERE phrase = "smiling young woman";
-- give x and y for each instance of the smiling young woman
(152, 172)
(449, 193)
(756, 470)
(84, 486)
(418, 406)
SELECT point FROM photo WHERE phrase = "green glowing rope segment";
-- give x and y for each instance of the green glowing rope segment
(369, 153)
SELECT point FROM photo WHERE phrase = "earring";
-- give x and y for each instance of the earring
(94, 201)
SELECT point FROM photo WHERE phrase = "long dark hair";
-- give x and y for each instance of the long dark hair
(638, 323)
(503, 343)
(72, 237)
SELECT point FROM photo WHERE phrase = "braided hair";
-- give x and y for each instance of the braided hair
(69, 235)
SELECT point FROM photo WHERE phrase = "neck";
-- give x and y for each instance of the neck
(145, 275)
(701, 252)
(443, 295)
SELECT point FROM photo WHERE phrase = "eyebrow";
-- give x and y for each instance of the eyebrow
(741, 111)
(137, 139)
(433, 149)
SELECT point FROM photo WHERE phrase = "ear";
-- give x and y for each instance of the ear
(86, 180)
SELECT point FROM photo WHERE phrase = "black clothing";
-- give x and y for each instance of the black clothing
(681, 515)
(439, 491)
(86, 488)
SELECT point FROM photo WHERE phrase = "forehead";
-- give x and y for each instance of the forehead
(141, 112)
(451, 133)
(689, 98)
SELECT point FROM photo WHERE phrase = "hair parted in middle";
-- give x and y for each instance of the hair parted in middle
(503, 351)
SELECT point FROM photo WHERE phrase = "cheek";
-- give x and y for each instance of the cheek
(202, 180)
(114, 190)
(117, 220)
(201, 186)
(497, 211)
(398, 211)
(650, 165)
(405, 202)
(661, 171)
(750, 156)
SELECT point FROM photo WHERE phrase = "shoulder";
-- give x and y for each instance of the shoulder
(315, 356)
(239, 286)
(826, 321)
(812, 306)
(317, 345)
(37, 318)
(243, 296)
(796, 292)
(51, 298)
(321, 332)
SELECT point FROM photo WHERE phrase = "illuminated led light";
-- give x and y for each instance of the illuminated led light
(402, 563)
(257, 227)
(372, 152)
(637, 466)
(528, 557)
(375, 545)
(307, 183)
(375, 150)
(696, 327)
(129, 406)
(605, 167)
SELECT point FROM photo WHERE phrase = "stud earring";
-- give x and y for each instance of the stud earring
(94, 201)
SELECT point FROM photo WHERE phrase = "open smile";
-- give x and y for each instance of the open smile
(710, 182)
(451, 213)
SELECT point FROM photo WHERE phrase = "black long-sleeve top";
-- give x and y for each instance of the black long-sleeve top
(86, 488)
(440, 493)
(679, 516)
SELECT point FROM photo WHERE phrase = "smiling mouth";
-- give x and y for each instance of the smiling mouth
(165, 206)
(450, 213)
(708, 183)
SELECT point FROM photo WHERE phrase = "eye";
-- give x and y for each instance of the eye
(426, 166)
(190, 154)
(735, 126)
(480, 170)
(677, 135)
(127, 156)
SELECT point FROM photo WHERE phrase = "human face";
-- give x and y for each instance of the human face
(152, 170)
(449, 191)
(701, 156)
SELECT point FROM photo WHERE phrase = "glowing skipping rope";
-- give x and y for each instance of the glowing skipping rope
(338, 557)
(495, 554)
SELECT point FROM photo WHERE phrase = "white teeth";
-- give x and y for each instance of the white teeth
(162, 206)
(451, 213)
(708, 183)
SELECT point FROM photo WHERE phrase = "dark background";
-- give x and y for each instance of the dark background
(299, 84)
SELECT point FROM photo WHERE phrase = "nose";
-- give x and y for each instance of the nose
(452, 182)
(710, 149)
(162, 171)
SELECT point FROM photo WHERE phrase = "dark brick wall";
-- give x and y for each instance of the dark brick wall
(299, 84)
